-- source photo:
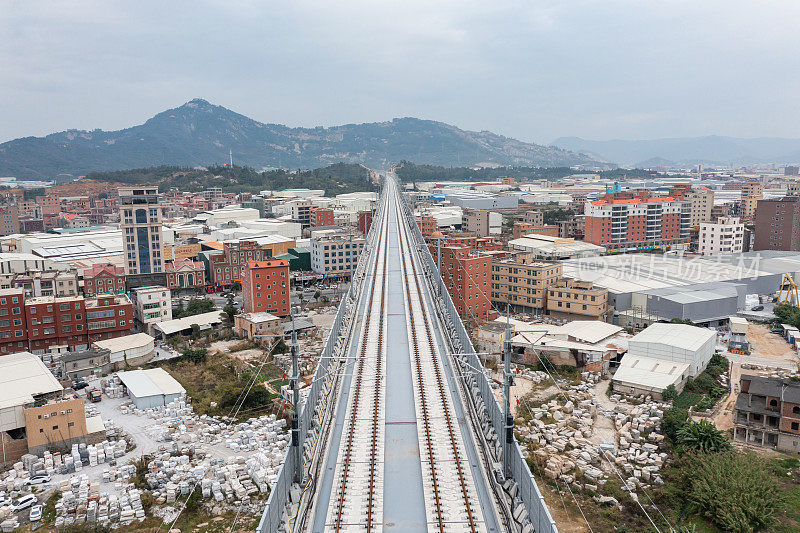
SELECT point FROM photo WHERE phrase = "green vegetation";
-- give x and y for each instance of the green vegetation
(49, 511)
(553, 216)
(195, 355)
(230, 309)
(408, 172)
(702, 436)
(788, 314)
(733, 491)
(672, 422)
(703, 392)
(334, 179)
(670, 393)
(196, 306)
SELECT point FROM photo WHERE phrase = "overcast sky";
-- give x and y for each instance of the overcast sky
(533, 69)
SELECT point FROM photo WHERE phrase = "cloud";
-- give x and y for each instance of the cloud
(535, 69)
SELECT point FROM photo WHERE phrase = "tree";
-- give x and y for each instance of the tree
(673, 421)
(670, 393)
(733, 490)
(195, 356)
(702, 436)
(236, 286)
(230, 309)
(317, 295)
(179, 310)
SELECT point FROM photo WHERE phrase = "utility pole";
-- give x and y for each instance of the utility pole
(294, 383)
(507, 382)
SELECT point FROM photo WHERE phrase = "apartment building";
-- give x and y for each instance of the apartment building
(572, 228)
(336, 256)
(534, 218)
(767, 413)
(520, 229)
(226, 268)
(9, 219)
(55, 321)
(321, 217)
(778, 224)
(49, 205)
(752, 192)
(140, 222)
(466, 274)
(427, 225)
(266, 288)
(108, 316)
(578, 300)
(521, 282)
(151, 305)
(104, 278)
(365, 221)
(185, 273)
(638, 223)
(726, 236)
(481, 223)
(701, 200)
(13, 327)
(301, 212)
(47, 282)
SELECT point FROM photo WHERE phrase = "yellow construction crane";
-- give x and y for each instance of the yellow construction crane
(788, 285)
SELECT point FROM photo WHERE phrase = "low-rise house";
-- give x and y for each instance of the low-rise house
(84, 363)
(767, 413)
(131, 350)
(250, 325)
(185, 273)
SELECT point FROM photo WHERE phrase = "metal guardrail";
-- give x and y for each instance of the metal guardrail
(528, 490)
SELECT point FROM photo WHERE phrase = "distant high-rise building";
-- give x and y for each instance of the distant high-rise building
(726, 236)
(636, 223)
(702, 200)
(791, 170)
(140, 221)
(266, 287)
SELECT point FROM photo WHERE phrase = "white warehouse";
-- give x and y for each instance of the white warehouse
(151, 388)
(678, 343)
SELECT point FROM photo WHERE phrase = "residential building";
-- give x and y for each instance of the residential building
(103, 278)
(578, 300)
(108, 316)
(151, 305)
(30, 225)
(85, 363)
(726, 236)
(365, 221)
(301, 211)
(482, 223)
(778, 224)
(47, 282)
(130, 350)
(752, 192)
(720, 210)
(140, 222)
(572, 228)
(701, 200)
(252, 325)
(636, 223)
(55, 321)
(49, 204)
(467, 275)
(226, 268)
(521, 282)
(767, 413)
(549, 230)
(336, 256)
(427, 225)
(266, 288)
(534, 218)
(9, 219)
(520, 229)
(185, 273)
(13, 329)
(321, 217)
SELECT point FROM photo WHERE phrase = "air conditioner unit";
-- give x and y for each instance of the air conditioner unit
(46, 416)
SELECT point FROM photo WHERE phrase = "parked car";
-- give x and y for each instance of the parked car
(36, 513)
(5, 500)
(757, 308)
(80, 385)
(39, 479)
(24, 502)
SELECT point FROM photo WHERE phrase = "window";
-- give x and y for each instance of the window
(70, 424)
(55, 427)
(795, 426)
(796, 409)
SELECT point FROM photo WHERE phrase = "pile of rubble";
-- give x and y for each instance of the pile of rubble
(561, 432)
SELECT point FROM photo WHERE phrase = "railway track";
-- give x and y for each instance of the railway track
(452, 508)
(359, 491)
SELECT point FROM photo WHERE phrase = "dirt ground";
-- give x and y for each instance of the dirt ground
(244, 355)
(768, 345)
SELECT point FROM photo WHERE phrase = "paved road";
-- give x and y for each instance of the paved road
(749, 359)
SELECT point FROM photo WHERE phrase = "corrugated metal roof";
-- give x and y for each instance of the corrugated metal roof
(590, 331)
(164, 381)
(168, 327)
(677, 335)
(128, 342)
(138, 383)
(648, 372)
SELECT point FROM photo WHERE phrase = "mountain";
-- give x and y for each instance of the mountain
(199, 133)
(688, 151)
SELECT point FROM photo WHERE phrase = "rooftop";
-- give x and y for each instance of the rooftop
(152, 382)
(23, 376)
(678, 335)
(128, 342)
(649, 372)
(204, 320)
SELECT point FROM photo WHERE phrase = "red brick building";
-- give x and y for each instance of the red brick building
(365, 221)
(321, 217)
(227, 267)
(103, 279)
(467, 275)
(185, 273)
(427, 225)
(13, 333)
(54, 321)
(639, 222)
(108, 317)
(265, 287)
